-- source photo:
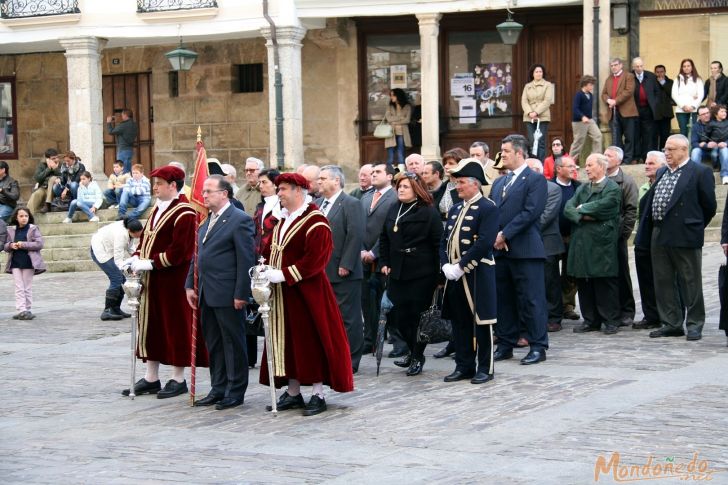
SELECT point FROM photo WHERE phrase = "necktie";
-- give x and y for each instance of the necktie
(375, 199)
(509, 179)
(325, 207)
(213, 220)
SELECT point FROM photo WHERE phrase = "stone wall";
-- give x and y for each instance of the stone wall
(41, 90)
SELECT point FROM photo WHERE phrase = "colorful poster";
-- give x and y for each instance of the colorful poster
(398, 76)
(493, 87)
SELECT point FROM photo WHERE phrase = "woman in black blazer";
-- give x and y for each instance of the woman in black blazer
(409, 246)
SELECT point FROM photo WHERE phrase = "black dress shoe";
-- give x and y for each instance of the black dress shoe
(316, 405)
(502, 354)
(571, 315)
(416, 366)
(286, 401)
(172, 388)
(612, 329)
(645, 324)
(664, 332)
(534, 357)
(404, 362)
(143, 386)
(445, 352)
(585, 327)
(228, 402)
(458, 376)
(209, 400)
(397, 353)
(626, 322)
(694, 335)
(481, 378)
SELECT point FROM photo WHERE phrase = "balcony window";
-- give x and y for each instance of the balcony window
(18, 9)
(144, 6)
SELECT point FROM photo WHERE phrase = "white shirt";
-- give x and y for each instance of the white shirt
(330, 203)
(599, 181)
(223, 209)
(162, 205)
(679, 166)
(290, 217)
(558, 181)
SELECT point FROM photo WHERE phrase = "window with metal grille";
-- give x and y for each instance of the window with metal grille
(248, 78)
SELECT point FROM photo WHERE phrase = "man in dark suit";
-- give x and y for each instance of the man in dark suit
(665, 114)
(566, 180)
(375, 205)
(344, 269)
(225, 254)
(678, 207)
(554, 246)
(646, 97)
(521, 198)
(618, 95)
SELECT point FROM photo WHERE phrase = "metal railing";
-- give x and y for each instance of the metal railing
(16, 9)
(167, 5)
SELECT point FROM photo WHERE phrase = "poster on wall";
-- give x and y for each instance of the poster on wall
(398, 76)
(493, 83)
(467, 111)
(462, 84)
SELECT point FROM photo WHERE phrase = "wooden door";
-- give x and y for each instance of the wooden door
(558, 48)
(132, 91)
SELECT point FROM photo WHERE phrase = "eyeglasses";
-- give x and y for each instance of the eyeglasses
(251, 170)
(556, 144)
(205, 191)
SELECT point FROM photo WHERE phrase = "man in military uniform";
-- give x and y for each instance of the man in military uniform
(466, 256)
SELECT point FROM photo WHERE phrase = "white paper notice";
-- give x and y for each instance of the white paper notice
(467, 111)
(462, 85)
(398, 76)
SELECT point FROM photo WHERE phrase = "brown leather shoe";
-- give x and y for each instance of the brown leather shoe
(554, 327)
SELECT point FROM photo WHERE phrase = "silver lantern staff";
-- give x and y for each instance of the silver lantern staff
(261, 289)
(133, 289)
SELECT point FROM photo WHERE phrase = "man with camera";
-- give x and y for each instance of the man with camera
(125, 132)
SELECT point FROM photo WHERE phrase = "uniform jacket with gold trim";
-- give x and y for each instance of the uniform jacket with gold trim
(470, 232)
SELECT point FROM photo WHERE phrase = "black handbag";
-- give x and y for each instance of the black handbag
(433, 329)
(253, 320)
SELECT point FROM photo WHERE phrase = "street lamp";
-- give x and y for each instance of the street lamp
(181, 58)
(510, 29)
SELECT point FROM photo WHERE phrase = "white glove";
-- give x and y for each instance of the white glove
(452, 272)
(128, 262)
(275, 275)
(141, 265)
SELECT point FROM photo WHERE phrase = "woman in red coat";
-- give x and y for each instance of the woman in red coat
(557, 151)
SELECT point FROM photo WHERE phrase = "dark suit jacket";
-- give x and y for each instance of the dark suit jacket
(651, 87)
(520, 211)
(688, 212)
(721, 89)
(375, 219)
(624, 97)
(665, 102)
(347, 223)
(549, 222)
(224, 259)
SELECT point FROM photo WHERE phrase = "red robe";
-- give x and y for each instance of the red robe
(165, 317)
(309, 338)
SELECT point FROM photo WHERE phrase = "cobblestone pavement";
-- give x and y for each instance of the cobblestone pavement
(64, 421)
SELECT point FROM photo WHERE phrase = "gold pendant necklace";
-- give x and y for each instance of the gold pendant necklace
(396, 220)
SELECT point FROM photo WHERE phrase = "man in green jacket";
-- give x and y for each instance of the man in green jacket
(595, 210)
(45, 175)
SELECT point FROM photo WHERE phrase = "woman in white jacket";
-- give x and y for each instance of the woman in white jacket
(687, 92)
(109, 247)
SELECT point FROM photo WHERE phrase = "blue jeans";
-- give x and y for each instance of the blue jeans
(125, 156)
(113, 196)
(116, 277)
(73, 186)
(79, 204)
(5, 211)
(699, 154)
(683, 119)
(139, 202)
(721, 155)
(399, 149)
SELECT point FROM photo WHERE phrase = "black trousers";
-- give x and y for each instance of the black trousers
(624, 127)
(472, 342)
(626, 296)
(643, 264)
(568, 283)
(647, 133)
(348, 297)
(224, 331)
(662, 127)
(251, 344)
(596, 299)
(553, 288)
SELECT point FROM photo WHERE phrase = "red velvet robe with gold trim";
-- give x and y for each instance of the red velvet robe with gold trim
(165, 317)
(313, 346)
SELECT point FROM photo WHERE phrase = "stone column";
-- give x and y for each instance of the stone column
(605, 29)
(85, 105)
(289, 57)
(588, 37)
(429, 31)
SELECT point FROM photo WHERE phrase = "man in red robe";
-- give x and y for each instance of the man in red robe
(310, 346)
(165, 319)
